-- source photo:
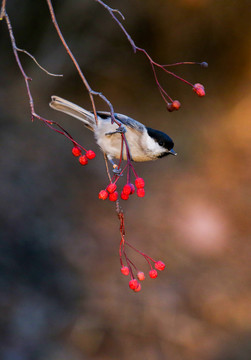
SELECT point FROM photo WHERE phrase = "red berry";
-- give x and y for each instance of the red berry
(139, 183)
(113, 196)
(125, 270)
(83, 160)
(111, 188)
(90, 154)
(199, 89)
(138, 288)
(103, 195)
(133, 284)
(132, 189)
(127, 189)
(141, 276)
(141, 192)
(170, 107)
(76, 151)
(175, 105)
(153, 273)
(159, 265)
(124, 196)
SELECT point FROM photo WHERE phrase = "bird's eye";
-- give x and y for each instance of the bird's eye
(161, 143)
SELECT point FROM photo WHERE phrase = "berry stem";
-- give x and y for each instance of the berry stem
(140, 252)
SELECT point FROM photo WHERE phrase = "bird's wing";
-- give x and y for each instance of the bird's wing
(125, 120)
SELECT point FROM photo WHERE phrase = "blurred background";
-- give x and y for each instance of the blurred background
(62, 294)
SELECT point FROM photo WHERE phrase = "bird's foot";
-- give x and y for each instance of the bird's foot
(120, 130)
(117, 170)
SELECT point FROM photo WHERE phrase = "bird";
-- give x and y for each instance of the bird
(145, 143)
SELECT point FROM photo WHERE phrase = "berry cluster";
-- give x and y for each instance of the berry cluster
(134, 283)
(83, 159)
(174, 105)
(130, 268)
(128, 189)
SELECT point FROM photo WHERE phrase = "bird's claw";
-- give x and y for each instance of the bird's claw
(120, 130)
(117, 170)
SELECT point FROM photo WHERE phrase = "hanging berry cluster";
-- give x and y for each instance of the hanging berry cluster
(129, 268)
(128, 189)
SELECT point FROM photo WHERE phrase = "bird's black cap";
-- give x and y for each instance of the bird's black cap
(161, 138)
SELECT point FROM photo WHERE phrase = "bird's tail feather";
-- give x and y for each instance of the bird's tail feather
(67, 107)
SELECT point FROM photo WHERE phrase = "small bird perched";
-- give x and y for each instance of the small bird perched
(145, 144)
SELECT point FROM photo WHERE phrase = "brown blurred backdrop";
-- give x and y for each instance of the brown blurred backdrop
(62, 294)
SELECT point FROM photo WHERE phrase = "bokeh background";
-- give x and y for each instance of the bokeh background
(62, 294)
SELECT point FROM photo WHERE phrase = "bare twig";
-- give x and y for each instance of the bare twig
(54, 21)
(2, 13)
(36, 62)
(112, 11)
(107, 167)
(27, 79)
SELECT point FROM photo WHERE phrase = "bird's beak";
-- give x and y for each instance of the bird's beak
(172, 152)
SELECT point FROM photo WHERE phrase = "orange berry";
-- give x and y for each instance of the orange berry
(138, 288)
(103, 195)
(141, 276)
(175, 105)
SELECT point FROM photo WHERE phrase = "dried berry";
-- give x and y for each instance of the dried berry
(132, 189)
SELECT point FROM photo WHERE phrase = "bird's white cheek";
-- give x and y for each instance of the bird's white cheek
(153, 147)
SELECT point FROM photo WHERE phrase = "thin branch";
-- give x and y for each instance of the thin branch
(3, 9)
(27, 80)
(112, 11)
(36, 62)
(107, 167)
(54, 21)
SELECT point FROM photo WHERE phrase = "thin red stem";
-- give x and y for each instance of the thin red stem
(140, 252)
